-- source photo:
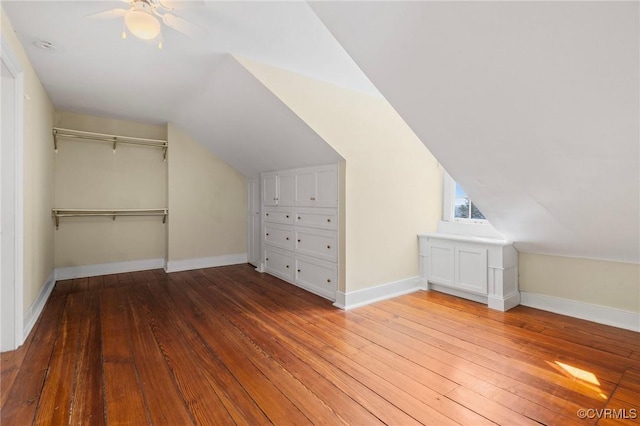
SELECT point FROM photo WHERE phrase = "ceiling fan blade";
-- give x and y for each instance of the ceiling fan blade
(113, 13)
(179, 4)
(183, 26)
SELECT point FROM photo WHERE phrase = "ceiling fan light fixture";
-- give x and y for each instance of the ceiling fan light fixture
(142, 25)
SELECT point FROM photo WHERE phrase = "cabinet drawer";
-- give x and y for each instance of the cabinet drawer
(278, 236)
(317, 218)
(279, 263)
(317, 276)
(317, 243)
(276, 215)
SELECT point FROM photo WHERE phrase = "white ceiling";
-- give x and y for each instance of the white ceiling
(532, 106)
(93, 71)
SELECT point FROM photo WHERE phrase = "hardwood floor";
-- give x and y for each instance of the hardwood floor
(231, 346)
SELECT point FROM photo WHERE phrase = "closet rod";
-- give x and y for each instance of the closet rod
(58, 213)
(104, 137)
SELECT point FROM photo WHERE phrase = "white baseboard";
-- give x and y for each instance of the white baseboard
(601, 314)
(205, 262)
(83, 271)
(355, 299)
(34, 311)
(504, 303)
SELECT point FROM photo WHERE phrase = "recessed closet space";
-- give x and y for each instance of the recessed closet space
(96, 174)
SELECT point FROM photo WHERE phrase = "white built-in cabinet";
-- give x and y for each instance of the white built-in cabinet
(300, 227)
(317, 187)
(480, 269)
(253, 221)
(278, 188)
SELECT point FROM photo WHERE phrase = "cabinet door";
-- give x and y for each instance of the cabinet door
(253, 221)
(317, 276)
(270, 189)
(317, 243)
(279, 263)
(471, 268)
(285, 188)
(305, 187)
(440, 268)
(278, 235)
(327, 187)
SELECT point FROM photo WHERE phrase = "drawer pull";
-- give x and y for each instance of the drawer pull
(287, 266)
(267, 214)
(267, 234)
(298, 240)
(328, 280)
(312, 198)
(267, 259)
(329, 220)
(287, 216)
(299, 218)
(298, 270)
(329, 247)
(287, 238)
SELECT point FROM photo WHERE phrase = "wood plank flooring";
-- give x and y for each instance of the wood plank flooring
(231, 346)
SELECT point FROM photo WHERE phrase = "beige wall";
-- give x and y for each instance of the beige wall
(393, 185)
(89, 175)
(598, 282)
(207, 202)
(38, 174)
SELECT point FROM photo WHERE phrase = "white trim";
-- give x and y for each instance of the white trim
(480, 298)
(83, 271)
(449, 203)
(12, 63)
(601, 314)
(205, 262)
(378, 293)
(35, 310)
(573, 256)
(504, 303)
(451, 225)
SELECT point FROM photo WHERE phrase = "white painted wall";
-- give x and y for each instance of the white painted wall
(392, 185)
(7, 213)
(89, 175)
(604, 283)
(532, 106)
(38, 176)
(207, 206)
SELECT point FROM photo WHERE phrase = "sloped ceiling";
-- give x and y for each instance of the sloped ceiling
(240, 120)
(191, 82)
(532, 106)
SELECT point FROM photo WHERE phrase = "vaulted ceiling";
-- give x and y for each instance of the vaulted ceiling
(532, 106)
(192, 81)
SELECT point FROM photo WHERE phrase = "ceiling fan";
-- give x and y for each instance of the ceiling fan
(143, 20)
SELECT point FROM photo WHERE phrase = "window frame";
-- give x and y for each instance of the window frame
(449, 204)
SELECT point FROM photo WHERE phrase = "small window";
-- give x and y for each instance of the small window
(460, 215)
(464, 208)
(457, 206)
